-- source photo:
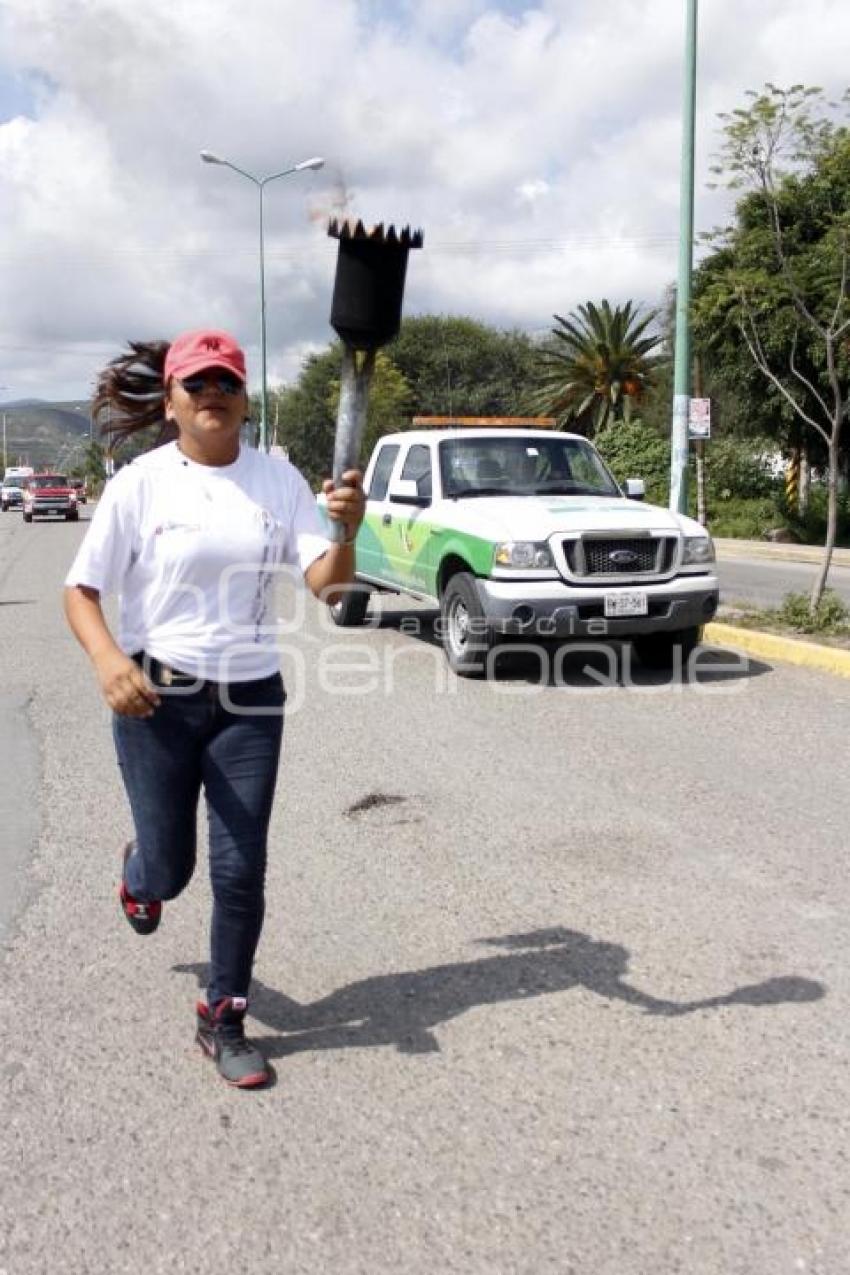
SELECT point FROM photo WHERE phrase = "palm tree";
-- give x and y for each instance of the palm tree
(597, 367)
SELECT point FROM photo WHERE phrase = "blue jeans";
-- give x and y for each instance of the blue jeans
(194, 740)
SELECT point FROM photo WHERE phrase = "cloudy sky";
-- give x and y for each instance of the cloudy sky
(536, 143)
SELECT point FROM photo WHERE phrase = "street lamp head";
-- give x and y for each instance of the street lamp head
(209, 158)
(315, 162)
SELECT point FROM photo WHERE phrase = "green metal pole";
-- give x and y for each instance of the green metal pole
(264, 388)
(682, 366)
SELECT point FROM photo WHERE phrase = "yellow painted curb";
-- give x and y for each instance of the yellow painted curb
(829, 659)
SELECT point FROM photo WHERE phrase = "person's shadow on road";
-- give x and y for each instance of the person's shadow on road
(403, 1009)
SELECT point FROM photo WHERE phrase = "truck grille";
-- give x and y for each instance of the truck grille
(623, 556)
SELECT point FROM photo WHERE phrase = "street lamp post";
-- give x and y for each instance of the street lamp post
(261, 182)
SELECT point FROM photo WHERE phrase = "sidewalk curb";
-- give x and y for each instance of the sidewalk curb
(828, 659)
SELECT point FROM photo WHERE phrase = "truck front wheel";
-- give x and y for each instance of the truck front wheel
(467, 638)
(657, 650)
(27, 517)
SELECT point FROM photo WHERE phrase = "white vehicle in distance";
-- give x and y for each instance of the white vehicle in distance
(12, 493)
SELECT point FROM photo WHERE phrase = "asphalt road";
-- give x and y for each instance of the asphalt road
(554, 978)
(760, 583)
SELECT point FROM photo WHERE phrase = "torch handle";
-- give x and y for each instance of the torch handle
(350, 420)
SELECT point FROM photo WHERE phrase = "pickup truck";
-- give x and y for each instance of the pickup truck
(49, 494)
(524, 533)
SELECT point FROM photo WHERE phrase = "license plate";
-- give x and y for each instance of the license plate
(617, 604)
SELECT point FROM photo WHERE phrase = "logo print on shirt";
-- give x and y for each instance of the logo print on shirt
(176, 526)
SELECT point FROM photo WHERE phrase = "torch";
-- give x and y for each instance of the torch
(365, 314)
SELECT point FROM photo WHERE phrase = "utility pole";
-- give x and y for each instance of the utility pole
(699, 447)
(5, 457)
(682, 364)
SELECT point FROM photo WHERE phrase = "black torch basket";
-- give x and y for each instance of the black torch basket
(369, 285)
(366, 314)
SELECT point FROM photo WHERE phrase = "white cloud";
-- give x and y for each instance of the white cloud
(537, 143)
(529, 192)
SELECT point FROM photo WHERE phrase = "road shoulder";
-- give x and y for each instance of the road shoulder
(19, 798)
(770, 552)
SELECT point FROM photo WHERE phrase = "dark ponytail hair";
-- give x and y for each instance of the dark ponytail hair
(130, 394)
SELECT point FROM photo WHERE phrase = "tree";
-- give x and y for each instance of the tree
(389, 406)
(778, 278)
(306, 420)
(435, 366)
(457, 365)
(597, 365)
(93, 463)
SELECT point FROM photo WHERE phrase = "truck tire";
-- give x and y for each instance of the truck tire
(657, 650)
(466, 639)
(27, 517)
(351, 608)
(73, 516)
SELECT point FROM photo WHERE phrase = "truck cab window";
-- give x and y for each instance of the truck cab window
(380, 479)
(417, 466)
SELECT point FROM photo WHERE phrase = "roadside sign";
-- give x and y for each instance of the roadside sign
(699, 419)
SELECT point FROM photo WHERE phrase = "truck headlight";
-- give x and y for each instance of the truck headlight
(523, 554)
(698, 550)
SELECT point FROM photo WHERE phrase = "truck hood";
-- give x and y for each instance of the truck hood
(501, 518)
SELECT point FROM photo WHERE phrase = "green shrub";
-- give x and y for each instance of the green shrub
(633, 450)
(832, 615)
(739, 469)
(738, 519)
(811, 526)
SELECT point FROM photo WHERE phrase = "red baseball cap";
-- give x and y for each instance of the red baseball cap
(205, 347)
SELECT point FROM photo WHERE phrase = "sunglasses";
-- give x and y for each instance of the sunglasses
(224, 381)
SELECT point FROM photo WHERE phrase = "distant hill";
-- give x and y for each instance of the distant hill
(46, 435)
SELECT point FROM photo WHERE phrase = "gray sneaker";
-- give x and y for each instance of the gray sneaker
(221, 1035)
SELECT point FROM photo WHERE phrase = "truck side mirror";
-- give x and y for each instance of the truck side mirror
(405, 491)
(635, 488)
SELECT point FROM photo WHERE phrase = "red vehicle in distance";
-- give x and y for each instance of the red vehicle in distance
(46, 494)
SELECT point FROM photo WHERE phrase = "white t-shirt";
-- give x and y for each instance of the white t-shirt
(192, 551)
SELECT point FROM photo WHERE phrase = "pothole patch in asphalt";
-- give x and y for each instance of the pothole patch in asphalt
(374, 801)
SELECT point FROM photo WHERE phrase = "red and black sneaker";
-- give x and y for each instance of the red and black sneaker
(221, 1035)
(144, 917)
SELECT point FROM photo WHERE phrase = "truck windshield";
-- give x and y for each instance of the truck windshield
(517, 466)
(49, 480)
